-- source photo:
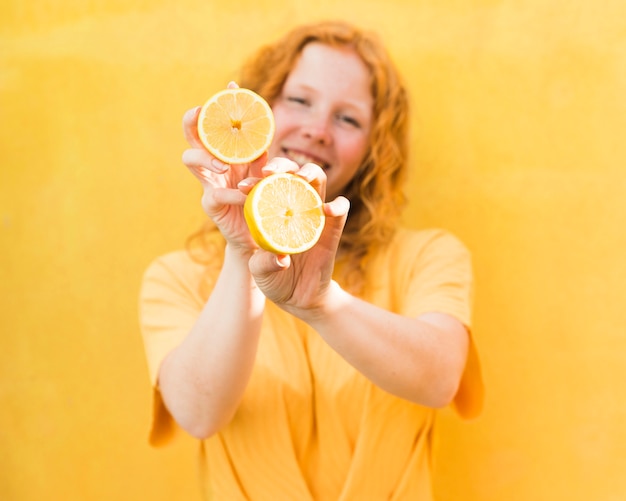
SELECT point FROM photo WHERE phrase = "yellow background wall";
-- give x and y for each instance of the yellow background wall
(519, 148)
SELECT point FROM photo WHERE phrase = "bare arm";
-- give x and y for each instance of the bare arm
(419, 359)
(203, 379)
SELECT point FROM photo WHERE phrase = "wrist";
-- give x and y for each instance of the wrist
(239, 253)
(236, 265)
(334, 300)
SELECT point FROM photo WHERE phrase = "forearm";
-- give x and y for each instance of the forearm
(203, 379)
(419, 359)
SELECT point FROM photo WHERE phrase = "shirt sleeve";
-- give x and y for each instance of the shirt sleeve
(170, 301)
(440, 279)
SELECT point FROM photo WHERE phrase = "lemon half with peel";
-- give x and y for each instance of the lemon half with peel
(284, 214)
(236, 125)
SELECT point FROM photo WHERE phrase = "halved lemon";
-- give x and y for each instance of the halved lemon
(236, 125)
(284, 214)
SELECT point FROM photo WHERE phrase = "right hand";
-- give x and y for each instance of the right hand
(222, 200)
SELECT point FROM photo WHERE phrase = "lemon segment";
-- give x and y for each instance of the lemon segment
(284, 214)
(236, 125)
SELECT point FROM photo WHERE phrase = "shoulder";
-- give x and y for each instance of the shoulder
(185, 273)
(429, 271)
(426, 245)
(422, 256)
(171, 276)
(176, 263)
(187, 264)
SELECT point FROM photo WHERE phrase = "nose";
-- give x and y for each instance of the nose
(316, 128)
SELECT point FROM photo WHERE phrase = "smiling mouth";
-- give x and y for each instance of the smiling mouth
(302, 158)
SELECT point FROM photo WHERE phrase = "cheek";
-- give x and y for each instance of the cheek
(283, 118)
(355, 152)
(351, 158)
(283, 125)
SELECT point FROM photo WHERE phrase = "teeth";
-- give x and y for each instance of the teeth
(302, 159)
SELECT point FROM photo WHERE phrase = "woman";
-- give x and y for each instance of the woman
(315, 376)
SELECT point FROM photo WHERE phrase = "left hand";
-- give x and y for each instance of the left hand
(298, 283)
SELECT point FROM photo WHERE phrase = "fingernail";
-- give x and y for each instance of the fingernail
(282, 261)
(219, 165)
(306, 174)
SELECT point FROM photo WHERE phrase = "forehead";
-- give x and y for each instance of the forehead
(339, 68)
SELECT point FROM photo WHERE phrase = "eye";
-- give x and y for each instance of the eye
(297, 100)
(349, 120)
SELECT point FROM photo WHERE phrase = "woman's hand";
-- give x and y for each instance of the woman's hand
(222, 199)
(299, 283)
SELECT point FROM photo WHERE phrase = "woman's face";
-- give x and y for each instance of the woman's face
(324, 113)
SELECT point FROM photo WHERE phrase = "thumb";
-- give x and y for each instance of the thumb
(336, 215)
(264, 263)
(190, 127)
(339, 207)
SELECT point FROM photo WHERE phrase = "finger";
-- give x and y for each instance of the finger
(228, 196)
(336, 216)
(246, 185)
(310, 172)
(256, 166)
(190, 127)
(316, 176)
(338, 208)
(263, 263)
(254, 174)
(202, 174)
(280, 164)
(199, 157)
(232, 85)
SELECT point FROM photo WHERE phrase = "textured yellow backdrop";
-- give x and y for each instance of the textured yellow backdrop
(519, 148)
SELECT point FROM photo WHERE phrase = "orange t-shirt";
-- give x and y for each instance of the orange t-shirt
(311, 427)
